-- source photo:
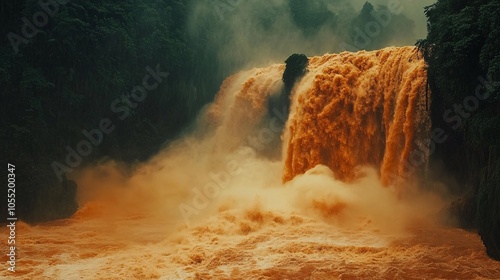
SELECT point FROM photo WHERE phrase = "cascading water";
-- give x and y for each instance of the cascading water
(222, 205)
(351, 110)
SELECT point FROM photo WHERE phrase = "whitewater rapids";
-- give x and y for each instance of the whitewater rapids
(220, 204)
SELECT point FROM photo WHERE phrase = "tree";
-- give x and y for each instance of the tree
(64, 79)
(463, 69)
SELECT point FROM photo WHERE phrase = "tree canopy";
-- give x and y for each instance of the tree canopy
(461, 51)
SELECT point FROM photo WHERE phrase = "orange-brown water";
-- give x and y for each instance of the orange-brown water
(245, 244)
(367, 108)
(213, 206)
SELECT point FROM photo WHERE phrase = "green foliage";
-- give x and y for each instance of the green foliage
(66, 77)
(376, 34)
(462, 45)
(311, 15)
(91, 52)
(489, 23)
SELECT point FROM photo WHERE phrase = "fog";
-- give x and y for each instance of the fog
(256, 33)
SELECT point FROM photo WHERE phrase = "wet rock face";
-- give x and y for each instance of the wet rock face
(68, 204)
(296, 67)
(461, 212)
(57, 201)
(488, 208)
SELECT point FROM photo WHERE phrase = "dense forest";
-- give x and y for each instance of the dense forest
(90, 81)
(74, 80)
(462, 53)
(85, 62)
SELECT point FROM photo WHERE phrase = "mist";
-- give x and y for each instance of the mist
(227, 169)
(248, 162)
(216, 198)
(249, 34)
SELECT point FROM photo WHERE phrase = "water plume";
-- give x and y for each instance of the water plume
(367, 108)
(214, 205)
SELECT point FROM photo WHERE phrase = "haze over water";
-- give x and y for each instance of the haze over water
(219, 203)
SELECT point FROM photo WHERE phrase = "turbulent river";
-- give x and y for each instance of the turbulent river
(330, 191)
